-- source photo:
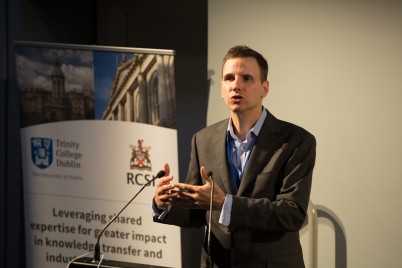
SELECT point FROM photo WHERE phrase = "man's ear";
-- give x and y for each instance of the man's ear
(265, 86)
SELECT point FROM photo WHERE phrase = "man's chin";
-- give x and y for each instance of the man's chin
(235, 107)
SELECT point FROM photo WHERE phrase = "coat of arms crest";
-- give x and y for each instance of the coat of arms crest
(41, 152)
(140, 156)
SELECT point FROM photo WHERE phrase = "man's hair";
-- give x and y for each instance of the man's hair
(246, 52)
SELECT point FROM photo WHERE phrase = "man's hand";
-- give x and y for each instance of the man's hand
(199, 197)
(165, 195)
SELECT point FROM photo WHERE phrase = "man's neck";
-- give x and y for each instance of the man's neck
(244, 122)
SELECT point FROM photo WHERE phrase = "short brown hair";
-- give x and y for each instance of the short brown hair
(245, 52)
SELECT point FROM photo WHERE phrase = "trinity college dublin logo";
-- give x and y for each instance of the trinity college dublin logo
(42, 152)
(140, 156)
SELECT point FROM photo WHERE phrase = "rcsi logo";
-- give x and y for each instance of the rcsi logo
(140, 156)
(42, 152)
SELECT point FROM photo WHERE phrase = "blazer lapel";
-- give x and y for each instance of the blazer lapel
(219, 145)
(265, 146)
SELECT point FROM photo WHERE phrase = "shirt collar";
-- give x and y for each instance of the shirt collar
(255, 129)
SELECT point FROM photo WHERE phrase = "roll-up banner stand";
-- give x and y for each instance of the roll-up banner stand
(97, 124)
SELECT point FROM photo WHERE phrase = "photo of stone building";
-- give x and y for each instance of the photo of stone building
(143, 91)
(47, 96)
(63, 84)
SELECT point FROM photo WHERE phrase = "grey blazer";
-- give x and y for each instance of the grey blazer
(270, 206)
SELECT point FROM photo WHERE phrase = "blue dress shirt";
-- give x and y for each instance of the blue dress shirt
(238, 153)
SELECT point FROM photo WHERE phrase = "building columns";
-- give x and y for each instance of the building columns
(143, 100)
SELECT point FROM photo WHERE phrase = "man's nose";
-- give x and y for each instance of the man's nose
(235, 86)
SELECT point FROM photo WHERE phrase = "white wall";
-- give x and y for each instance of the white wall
(336, 70)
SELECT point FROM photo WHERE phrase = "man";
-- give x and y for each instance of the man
(261, 168)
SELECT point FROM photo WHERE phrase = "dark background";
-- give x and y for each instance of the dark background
(180, 25)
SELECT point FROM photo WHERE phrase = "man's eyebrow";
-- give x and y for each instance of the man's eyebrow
(242, 75)
(247, 74)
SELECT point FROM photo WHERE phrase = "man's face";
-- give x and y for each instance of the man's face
(241, 86)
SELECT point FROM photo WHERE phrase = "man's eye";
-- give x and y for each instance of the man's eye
(247, 78)
(228, 78)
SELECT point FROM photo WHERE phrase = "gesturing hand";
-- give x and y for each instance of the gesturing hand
(165, 195)
(198, 197)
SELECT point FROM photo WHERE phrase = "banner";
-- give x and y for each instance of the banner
(97, 124)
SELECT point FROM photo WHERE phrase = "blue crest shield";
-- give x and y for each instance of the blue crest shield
(42, 152)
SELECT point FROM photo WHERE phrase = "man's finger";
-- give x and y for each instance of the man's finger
(166, 168)
(204, 175)
(185, 187)
(164, 180)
